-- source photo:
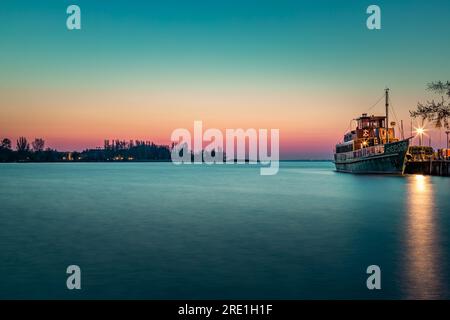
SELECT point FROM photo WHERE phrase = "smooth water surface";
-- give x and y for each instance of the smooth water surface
(156, 230)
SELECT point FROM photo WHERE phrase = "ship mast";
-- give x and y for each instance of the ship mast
(387, 115)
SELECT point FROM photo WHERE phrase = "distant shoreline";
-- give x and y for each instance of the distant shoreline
(148, 161)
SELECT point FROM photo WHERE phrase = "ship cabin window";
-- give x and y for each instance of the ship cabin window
(363, 123)
(344, 148)
(349, 136)
(370, 123)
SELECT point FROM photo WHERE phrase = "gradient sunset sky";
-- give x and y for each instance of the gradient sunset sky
(140, 69)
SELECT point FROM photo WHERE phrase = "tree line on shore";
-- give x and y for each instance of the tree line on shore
(117, 150)
(436, 112)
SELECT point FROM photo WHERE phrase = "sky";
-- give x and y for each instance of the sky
(141, 69)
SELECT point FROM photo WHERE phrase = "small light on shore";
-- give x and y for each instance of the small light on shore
(420, 132)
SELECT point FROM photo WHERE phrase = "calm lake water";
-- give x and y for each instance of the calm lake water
(155, 230)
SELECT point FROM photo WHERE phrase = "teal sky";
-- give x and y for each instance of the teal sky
(287, 39)
(320, 46)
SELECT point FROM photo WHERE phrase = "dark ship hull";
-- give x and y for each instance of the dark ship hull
(391, 161)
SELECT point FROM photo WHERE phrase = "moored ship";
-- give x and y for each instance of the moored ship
(372, 147)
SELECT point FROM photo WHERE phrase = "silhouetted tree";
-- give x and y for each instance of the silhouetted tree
(38, 145)
(22, 144)
(435, 112)
(6, 154)
(6, 144)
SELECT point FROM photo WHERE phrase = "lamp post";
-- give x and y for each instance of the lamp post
(420, 132)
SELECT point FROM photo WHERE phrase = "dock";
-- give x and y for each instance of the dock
(429, 167)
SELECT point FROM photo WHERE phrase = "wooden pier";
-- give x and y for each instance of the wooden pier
(429, 167)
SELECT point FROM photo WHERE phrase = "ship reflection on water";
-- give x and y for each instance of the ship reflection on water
(423, 253)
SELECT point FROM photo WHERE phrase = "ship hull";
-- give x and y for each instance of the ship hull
(392, 161)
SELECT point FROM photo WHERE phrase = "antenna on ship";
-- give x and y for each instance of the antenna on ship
(387, 115)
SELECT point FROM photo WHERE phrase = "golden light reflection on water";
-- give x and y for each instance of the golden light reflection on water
(422, 241)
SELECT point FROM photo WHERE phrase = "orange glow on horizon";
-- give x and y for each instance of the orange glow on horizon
(79, 119)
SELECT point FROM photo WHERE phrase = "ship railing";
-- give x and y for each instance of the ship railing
(364, 152)
(369, 151)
